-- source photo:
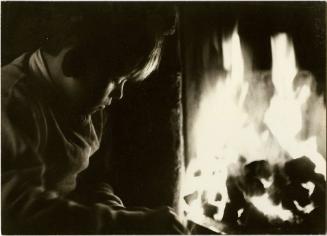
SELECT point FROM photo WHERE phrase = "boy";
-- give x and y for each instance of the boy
(53, 119)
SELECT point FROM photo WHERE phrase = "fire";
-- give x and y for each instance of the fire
(239, 122)
(271, 211)
(285, 115)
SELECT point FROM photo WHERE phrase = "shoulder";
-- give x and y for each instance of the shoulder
(12, 74)
(15, 94)
(18, 108)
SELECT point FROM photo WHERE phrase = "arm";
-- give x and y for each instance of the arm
(29, 208)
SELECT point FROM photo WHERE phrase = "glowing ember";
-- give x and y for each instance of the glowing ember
(244, 118)
(264, 204)
(309, 186)
(307, 209)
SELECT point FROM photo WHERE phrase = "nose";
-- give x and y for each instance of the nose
(118, 91)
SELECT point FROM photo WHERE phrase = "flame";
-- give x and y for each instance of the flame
(237, 122)
(285, 115)
(270, 210)
(309, 186)
(214, 150)
(306, 209)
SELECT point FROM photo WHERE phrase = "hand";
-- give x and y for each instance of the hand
(150, 221)
(164, 221)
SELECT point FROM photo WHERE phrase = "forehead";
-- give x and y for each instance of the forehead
(106, 60)
(102, 73)
(121, 52)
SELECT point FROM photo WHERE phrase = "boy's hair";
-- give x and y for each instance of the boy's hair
(125, 38)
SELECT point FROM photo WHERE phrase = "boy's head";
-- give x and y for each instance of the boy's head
(101, 45)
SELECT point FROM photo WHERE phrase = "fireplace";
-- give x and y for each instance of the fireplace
(243, 122)
(255, 118)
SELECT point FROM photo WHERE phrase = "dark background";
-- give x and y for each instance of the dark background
(142, 153)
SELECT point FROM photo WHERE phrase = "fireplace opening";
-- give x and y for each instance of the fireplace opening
(255, 119)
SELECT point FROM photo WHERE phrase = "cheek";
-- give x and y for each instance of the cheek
(90, 91)
(82, 92)
(99, 92)
(75, 90)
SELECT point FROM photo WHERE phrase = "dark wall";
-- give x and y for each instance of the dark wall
(146, 139)
(22, 28)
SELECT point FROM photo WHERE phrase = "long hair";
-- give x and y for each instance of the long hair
(125, 38)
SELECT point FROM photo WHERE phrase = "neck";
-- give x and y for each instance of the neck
(61, 82)
(54, 64)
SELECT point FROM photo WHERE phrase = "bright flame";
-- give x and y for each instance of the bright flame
(238, 122)
(285, 115)
(306, 209)
(309, 186)
(272, 211)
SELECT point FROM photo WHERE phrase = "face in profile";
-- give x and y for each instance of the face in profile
(94, 83)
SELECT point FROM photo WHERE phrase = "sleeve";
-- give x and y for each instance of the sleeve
(93, 185)
(103, 192)
(27, 207)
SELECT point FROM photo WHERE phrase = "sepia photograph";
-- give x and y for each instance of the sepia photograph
(163, 117)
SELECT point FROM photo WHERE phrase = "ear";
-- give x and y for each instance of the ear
(73, 64)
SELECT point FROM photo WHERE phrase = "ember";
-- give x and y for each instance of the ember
(258, 166)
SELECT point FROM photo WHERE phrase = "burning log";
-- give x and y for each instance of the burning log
(254, 171)
(279, 184)
(253, 186)
(235, 194)
(255, 222)
(209, 210)
(230, 214)
(253, 218)
(300, 170)
(318, 196)
(295, 191)
(237, 201)
(314, 222)
(286, 189)
(258, 169)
